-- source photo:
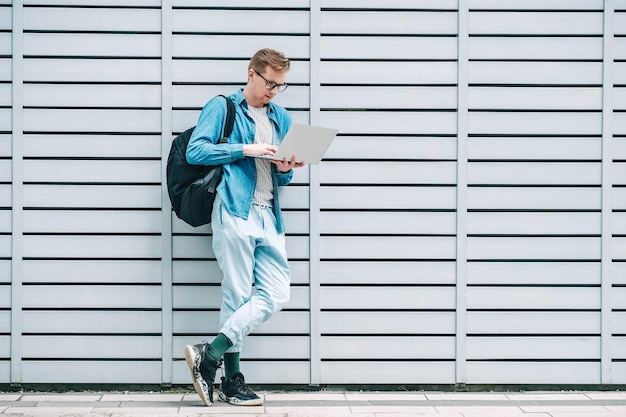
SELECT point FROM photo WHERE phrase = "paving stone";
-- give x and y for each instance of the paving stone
(384, 396)
(46, 411)
(143, 397)
(304, 396)
(60, 398)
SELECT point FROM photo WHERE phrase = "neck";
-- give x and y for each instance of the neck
(250, 99)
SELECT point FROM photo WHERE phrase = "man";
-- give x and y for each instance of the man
(248, 227)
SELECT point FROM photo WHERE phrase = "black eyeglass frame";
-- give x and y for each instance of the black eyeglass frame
(270, 85)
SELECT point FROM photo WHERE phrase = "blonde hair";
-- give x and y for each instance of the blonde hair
(275, 59)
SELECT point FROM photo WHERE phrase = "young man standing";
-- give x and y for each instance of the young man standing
(248, 228)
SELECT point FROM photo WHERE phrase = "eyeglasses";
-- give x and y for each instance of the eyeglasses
(270, 85)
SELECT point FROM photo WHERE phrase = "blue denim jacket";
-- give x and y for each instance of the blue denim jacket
(239, 172)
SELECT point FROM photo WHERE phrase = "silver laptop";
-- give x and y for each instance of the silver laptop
(307, 143)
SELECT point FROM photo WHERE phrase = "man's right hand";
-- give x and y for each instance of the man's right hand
(256, 149)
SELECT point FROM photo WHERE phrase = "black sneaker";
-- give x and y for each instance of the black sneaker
(234, 390)
(203, 369)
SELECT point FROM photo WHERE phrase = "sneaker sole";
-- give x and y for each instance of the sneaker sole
(237, 401)
(190, 358)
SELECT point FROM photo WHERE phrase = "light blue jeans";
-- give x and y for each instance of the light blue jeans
(249, 252)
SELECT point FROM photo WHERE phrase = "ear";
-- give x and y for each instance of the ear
(250, 74)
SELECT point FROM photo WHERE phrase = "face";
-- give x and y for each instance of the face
(260, 95)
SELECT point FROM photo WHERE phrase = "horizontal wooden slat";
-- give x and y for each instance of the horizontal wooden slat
(619, 322)
(90, 171)
(618, 272)
(90, 70)
(208, 272)
(92, 247)
(5, 44)
(535, 123)
(260, 347)
(91, 296)
(534, 273)
(92, 221)
(376, 222)
(6, 170)
(5, 346)
(387, 197)
(384, 48)
(88, 19)
(384, 298)
(242, 46)
(391, 147)
(92, 196)
(91, 347)
(5, 321)
(229, 72)
(5, 94)
(5, 270)
(536, 23)
(618, 298)
(186, 297)
(534, 148)
(534, 223)
(91, 271)
(619, 122)
(5, 69)
(6, 221)
(393, 4)
(5, 246)
(84, 95)
(387, 322)
(352, 22)
(528, 198)
(195, 96)
(241, 21)
(384, 123)
(388, 172)
(206, 323)
(388, 97)
(200, 247)
(575, 173)
(91, 322)
(533, 73)
(92, 44)
(403, 347)
(618, 252)
(377, 372)
(141, 3)
(5, 145)
(531, 322)
(537, 4)
(5, 195)
(544, 372)
(400, 247)
(537, 98)
(5, 292)
(543, 347)
(555, 248)
(85, 120)
(388, 73)
(265, 372)
(557, 48)
(618, 222)
(184, 119)
(533, 298)
(110, 146)
(6, 122)
(387, 272)
(100, 372)
(296, 222)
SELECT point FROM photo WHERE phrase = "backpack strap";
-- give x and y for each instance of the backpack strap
(230, 119)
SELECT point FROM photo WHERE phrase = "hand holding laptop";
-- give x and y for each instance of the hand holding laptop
(302, 144)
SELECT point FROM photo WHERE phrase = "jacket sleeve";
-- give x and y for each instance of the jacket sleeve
(204, 147)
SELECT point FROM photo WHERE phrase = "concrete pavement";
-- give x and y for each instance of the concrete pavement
(320, 404)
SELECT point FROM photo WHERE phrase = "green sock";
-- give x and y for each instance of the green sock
(219, 346)
(231, 364)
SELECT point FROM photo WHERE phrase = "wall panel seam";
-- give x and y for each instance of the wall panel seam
(461, 213)
(17, 191)
(607, 185)
(166, 236)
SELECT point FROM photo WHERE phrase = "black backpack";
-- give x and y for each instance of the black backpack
(192, 187)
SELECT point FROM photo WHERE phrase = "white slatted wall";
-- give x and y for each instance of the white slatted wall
(467, 226)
